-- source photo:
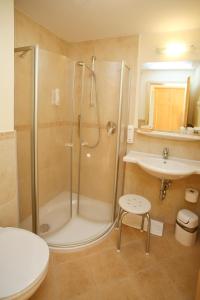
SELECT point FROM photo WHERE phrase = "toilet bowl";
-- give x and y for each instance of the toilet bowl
(24, 258)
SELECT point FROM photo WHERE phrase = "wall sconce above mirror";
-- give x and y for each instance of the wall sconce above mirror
(175, 49)
(169, 95)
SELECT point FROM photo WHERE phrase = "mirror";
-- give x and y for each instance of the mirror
(169, 95)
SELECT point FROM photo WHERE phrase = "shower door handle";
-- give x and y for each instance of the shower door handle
(84, 144)
(69, 145)
(79, 125)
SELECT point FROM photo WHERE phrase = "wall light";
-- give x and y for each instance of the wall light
(175, 49)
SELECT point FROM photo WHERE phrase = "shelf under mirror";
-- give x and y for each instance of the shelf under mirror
(171, 135)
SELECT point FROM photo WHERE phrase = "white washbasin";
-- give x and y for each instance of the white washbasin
(167, 169)
(173, 168)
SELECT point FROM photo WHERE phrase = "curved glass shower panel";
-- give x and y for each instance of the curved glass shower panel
(23, 125)
(54, 141)
(98, 138)
(71, 138)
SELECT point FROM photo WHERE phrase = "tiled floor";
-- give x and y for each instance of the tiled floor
(100, 273)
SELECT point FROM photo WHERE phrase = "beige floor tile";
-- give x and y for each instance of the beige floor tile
(183, 271)
(131, 235)
(136, 259)
(177, 249)
(119, 290)
(48, 289)
(92, 294)
(154, 284)
(73, 278)
(161, 248)
(107, 267)
(107, 243)
(101, 273)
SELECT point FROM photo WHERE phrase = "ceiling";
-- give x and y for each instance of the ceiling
(81, 20)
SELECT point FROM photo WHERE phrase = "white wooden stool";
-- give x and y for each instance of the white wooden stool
(138, 205)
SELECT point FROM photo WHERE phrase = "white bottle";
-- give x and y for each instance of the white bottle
(130, 134)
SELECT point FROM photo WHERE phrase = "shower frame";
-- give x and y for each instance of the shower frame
(34, 144)
(34, 131)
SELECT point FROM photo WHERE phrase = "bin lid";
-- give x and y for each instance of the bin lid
(187, 218)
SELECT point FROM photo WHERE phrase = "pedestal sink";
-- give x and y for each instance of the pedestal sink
(164, 169)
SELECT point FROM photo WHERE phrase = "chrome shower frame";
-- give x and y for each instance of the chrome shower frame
(34, 135)
(80, 136)
(92, 82)
(115, 189)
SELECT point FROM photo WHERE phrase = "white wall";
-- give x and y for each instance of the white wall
(150, 42)
(6, 65)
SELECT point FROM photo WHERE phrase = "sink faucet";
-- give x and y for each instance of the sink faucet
(165, 153)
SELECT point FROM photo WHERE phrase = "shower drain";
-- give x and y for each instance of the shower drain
(44, 228)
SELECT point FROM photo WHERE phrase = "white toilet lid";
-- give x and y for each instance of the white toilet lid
(24, 257)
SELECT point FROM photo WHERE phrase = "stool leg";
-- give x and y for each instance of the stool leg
(148, 233)
(120, 229)
(118, 217)
(142, 225)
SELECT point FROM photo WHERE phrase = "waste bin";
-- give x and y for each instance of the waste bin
(186, 227)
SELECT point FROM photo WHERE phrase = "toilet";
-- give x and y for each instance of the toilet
(24, 258)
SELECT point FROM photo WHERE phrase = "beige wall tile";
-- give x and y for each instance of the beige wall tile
(182, 149)
(9, 214)
(8, 185)
(111, 49)
(139, 182)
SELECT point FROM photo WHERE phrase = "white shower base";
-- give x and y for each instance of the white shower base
(93, 220)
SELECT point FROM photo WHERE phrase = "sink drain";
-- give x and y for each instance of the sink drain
(44, 228)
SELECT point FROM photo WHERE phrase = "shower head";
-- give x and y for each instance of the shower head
(23, 53)
(82, 63)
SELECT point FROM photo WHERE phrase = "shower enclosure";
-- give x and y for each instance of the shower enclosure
(71, 120)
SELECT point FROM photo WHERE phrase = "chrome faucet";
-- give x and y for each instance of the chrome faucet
(165, 153)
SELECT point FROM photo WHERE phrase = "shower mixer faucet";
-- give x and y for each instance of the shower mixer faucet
(111, 127)
(165, 153)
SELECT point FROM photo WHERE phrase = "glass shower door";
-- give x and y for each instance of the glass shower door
(99, 144)
(71, 138)
(54, 141)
